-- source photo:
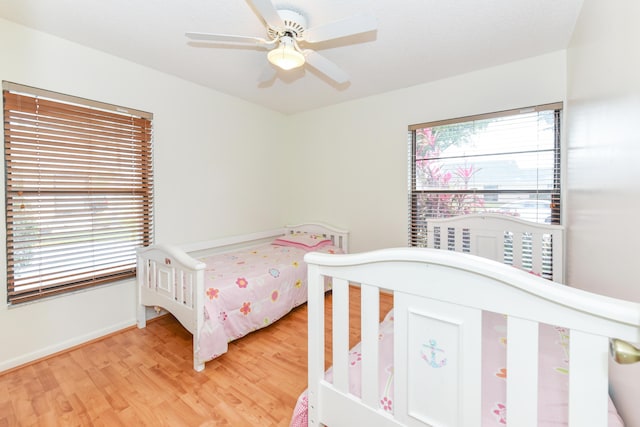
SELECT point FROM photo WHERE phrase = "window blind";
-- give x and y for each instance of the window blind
(506, 162)
(79, 194)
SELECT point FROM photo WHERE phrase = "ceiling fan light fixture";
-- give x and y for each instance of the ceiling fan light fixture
(286, 56)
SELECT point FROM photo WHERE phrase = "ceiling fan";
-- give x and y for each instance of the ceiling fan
(286, 30)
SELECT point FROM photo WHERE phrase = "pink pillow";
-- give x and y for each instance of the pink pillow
(304, 241)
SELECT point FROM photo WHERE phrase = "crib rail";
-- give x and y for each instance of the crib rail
(438, 298)
(530, 246)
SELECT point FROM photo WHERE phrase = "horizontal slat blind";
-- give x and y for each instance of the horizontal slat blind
(79, 194)
(506, 162)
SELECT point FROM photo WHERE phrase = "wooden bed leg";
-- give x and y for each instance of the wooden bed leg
(197, 364)
(199, 367)
(141, 316)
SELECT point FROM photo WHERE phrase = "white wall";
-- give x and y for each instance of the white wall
(604, 165)
(351, 163)
(216, 174)
(218, 167)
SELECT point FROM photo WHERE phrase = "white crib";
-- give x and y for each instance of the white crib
(441, 294)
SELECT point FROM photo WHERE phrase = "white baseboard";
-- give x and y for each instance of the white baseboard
(62, 346)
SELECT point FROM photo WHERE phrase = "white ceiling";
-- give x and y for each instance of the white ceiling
(417, 41)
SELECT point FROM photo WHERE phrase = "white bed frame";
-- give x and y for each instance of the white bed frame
(172, 278)
(437, 289)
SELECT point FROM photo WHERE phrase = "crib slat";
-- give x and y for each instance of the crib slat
(370, 303)
(340, 303)
(517, 249)
(522, 372)
(588, 379)
(457, 233)
(316, 341)
(558, 266)
(536, 252)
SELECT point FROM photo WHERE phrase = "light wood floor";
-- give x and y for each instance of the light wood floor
(144, 377)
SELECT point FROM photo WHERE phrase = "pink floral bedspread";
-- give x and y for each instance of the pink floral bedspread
(249, 289)
(553, 379)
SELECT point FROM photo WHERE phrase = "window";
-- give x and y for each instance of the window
(506, 162)
(79, 187)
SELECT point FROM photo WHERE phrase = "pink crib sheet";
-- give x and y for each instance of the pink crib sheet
(553, 377)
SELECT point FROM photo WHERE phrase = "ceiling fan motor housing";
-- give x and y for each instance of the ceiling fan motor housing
(294, 23)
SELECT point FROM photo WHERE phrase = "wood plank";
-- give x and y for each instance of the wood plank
(145, 376)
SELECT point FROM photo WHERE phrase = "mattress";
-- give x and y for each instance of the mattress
(250, 289)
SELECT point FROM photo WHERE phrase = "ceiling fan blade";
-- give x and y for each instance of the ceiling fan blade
(345, 27)
(227, 38)
(325, 66)
(268, 12)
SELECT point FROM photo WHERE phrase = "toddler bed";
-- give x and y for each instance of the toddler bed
(441, 357)
(221, 290)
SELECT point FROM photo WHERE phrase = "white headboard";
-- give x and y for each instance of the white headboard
(534, 247)
(339, 237)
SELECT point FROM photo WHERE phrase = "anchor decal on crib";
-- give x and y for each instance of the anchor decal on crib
(430, 353)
